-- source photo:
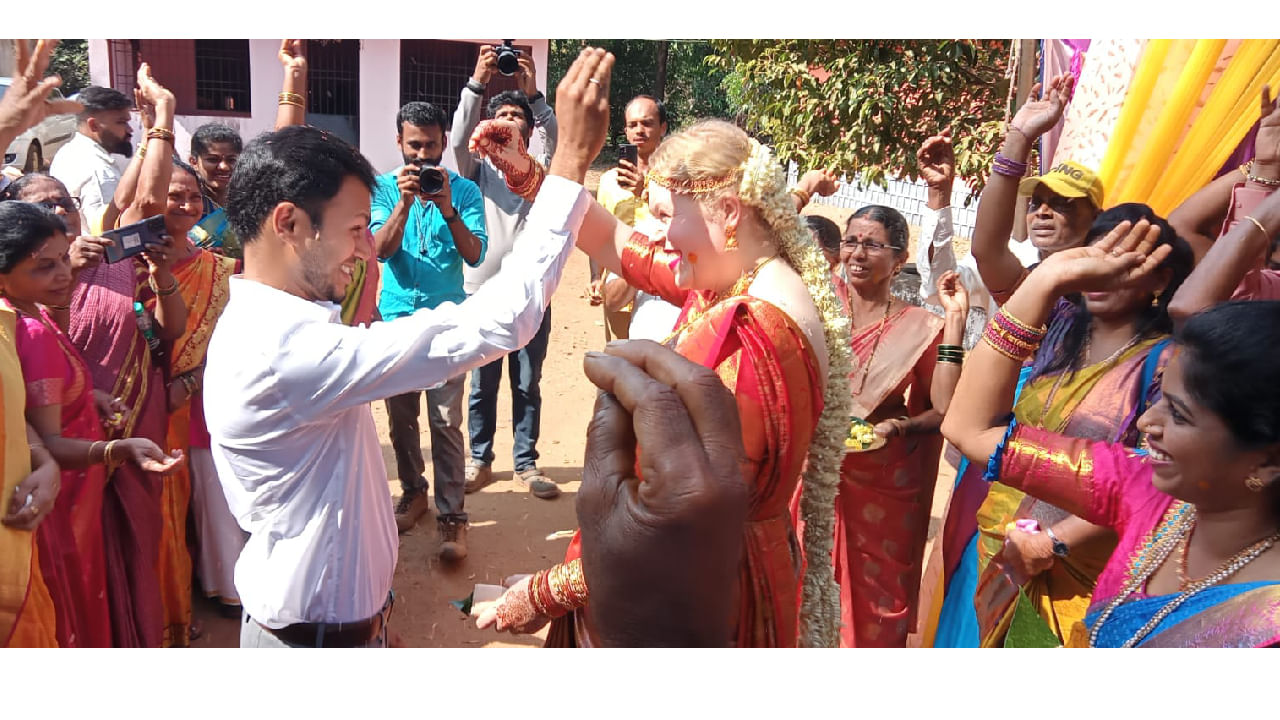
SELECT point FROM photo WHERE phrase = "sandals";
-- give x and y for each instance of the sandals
(539, 484)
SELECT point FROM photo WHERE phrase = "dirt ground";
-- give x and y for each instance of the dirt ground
(511, 531)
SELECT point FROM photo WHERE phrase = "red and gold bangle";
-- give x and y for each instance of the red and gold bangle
(160, 134)
(569, 585)
(1006, 344)
(1019, 329)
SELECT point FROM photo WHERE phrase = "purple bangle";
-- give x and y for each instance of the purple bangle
(1008, 167)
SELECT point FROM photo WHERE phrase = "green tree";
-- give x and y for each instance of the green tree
(693, 88)
(71, 61)
(863, 107)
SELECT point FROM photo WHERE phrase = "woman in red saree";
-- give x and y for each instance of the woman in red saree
(63, 408)
(759, 309)
(886, 491)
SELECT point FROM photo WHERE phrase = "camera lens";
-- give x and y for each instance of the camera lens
(508, 60)
(431, 180)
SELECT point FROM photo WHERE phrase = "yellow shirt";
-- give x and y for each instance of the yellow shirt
(621, 202)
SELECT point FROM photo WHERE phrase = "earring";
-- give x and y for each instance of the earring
(731, 237)
(1155, 300)
(1254, 483)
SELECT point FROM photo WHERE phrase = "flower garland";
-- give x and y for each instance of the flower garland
(763, 186)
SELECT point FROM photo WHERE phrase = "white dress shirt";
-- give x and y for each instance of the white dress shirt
(90, 173)
(287, 393)
(937, 232)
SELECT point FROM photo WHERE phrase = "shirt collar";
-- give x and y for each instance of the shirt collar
(98, 150)
(260, 295)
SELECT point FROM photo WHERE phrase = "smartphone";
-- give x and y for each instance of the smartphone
(131, 240)
(629, 152)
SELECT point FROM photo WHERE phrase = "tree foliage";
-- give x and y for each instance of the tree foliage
(694, 88)
(71, 61)
(863, 107)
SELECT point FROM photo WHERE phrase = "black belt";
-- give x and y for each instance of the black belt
(351, 634)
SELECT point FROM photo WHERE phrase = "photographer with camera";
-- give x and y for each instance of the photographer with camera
(505, 211)
(426, 221)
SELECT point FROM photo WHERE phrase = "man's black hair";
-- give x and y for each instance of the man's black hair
(421, 114)
(514, 98)
(100, 99)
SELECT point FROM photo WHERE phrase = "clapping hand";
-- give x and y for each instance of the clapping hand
(291, 56)
(1041, 112)
(151, 92)
(582, 113)
(1266, 144)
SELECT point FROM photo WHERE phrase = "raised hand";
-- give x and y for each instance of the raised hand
(820, 182)
(146, 111)
(152, 92)
(582, 112)
(1266, 144)
(486, 65)
(26, 102)
(502, 143)
(952, 294)
(1041, 112)
(528, 75)
(291, 56)
(937, 160)
(1125, 256)
(87, 251)
(661, 554)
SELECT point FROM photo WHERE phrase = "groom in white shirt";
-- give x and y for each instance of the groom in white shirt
(288, 386)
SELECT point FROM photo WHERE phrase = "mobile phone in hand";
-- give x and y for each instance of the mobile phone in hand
(132, 240)
(629, 152)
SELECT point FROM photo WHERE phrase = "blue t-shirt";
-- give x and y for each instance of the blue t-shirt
(426, 270)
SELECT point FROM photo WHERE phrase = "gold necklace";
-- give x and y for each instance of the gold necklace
(866, 367)
(738, 288)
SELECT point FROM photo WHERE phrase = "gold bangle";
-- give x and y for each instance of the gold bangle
(293, 103)
(804, 195)
(1257, 222)
(160, 134)
(142, 151)
(106, 454)
(89, 455)
(291, 97)
(165, 292)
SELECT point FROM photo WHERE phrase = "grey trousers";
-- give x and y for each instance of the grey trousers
(448, 449)
(253, 636)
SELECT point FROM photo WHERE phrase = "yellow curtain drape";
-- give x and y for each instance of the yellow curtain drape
(1135, 103)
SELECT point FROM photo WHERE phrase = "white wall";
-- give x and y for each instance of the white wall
(379, 101)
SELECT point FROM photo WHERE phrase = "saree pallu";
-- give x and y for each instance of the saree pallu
(27, 614)
(103, 327)
(70, 538)
(203, 281)
(764, 358)
(1099, 402)
(1109, 484)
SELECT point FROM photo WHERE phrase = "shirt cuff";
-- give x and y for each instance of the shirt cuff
(560, 205)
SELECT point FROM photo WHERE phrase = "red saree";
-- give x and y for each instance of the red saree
(70, 538)
(883, 509)
(203, 281)
(766, 360)
(103, 328)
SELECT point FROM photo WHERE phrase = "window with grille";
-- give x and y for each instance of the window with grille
(435, 71)
(222, 75)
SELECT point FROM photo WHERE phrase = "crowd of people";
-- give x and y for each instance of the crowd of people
(199, 341)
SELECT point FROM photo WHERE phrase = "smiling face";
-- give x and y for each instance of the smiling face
(1194, 455)
(868, 259)
(44, 277)
(1057, 223)
(328, 251)
(697, 232)
(184, 206)
(216, 164)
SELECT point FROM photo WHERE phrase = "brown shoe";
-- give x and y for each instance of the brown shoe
(539, 484)
(411, 508)
(453, 539)
(477, 476)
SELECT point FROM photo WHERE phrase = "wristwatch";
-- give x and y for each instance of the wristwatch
(1059, 548)
(455, 215)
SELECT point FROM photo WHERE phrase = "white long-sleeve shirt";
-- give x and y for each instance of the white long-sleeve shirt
(937, 234)
(287, 393)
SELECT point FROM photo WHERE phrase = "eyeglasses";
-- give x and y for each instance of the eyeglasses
(70, 204)
(1056, 203)
(870, 245)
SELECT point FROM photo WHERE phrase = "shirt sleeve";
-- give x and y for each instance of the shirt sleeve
(544, 120)
(339, 367)
(470, 205)
(621, 203)
(380, 206)
(935, 227)
(465, 120)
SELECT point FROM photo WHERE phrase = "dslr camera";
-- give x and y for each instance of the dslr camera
(508, 58)
(430, 180)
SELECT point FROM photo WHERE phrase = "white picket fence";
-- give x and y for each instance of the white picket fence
(908, 198)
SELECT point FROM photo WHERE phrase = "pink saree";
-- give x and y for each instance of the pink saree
(70, 539)
(103, 328)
